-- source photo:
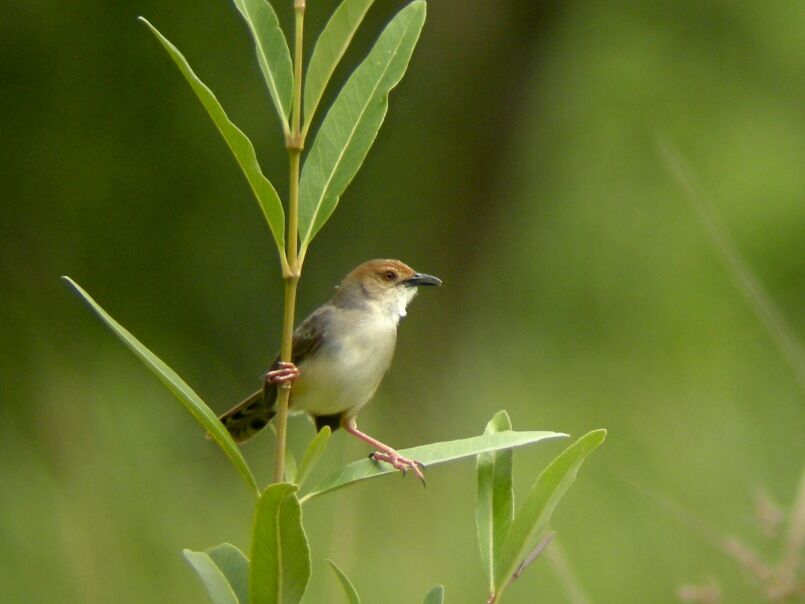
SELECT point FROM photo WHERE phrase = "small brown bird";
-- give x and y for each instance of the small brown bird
(340, 354)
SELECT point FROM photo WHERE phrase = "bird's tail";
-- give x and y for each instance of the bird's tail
(248, 417)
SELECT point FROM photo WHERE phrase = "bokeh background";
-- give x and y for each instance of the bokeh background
(518, 162)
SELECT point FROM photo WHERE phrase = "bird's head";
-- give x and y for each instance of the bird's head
(384, 284)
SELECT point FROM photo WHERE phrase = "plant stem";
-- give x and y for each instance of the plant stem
(291, 274)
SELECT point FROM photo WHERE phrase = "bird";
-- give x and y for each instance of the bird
(340, 354)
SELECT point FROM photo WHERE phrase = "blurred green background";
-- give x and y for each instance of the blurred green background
(519, 163)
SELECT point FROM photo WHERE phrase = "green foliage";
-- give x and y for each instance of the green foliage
(313, 454)
(494, 509)
(291, 468)
(213, 578)
(235, 566)
(272, 51)
(224, 571)
(192, 401)
(330, 47)
(280, 568)
(528, 527)
(346, 584)
(435, 595)
(352, 123)
(429, 455)
(238, 143)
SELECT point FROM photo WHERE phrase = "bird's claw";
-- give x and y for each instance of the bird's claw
(403, 464)
(283, 373)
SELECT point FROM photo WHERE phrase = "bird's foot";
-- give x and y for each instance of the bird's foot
(398, 462)
(283, 373)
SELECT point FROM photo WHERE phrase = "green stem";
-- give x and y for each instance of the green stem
(292, 272)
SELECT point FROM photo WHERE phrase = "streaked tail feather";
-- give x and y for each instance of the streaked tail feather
(248, 417)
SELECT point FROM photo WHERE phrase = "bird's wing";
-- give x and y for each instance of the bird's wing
(310, 335)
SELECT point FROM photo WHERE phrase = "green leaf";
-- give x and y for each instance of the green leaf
(330, 47)
(213, 578)
(435, 596)
(291, 469)
(280, 569)
(494, 507)
(352, 123)
(235, 566)
(429, 455)
(349, 589)
(238, 143)
(272, 53)
(313, 454)
(192, 402)
(532, 519)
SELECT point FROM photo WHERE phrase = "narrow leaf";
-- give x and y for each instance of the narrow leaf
(272, 51)
(313, 454)
(291, 469)
(534, 554)
(235, 566)
(532, 519)
(213, 578)
(494, 507)
(330, 47)
(430, 455)
(346, 584)
(280, 568)
(352, 123)
(435, 596)
(192, 402)
(238, 143)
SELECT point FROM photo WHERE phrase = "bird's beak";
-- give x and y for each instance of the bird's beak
(422, 279)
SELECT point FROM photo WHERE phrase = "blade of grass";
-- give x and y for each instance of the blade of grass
(737, 268)
(566, 577)
(794, 539)
(192, 401)
(430, 455)
(346, 584)
(238, 143)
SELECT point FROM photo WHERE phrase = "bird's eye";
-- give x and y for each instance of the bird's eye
(390, 275)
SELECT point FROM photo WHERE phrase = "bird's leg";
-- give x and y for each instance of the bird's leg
(281, 373)
(386, 453)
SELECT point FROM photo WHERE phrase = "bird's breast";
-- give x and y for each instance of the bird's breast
(346, 370)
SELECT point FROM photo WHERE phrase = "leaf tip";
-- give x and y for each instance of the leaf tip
(73, 286)
(598, 436)
(503, 414)
(283, 487)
